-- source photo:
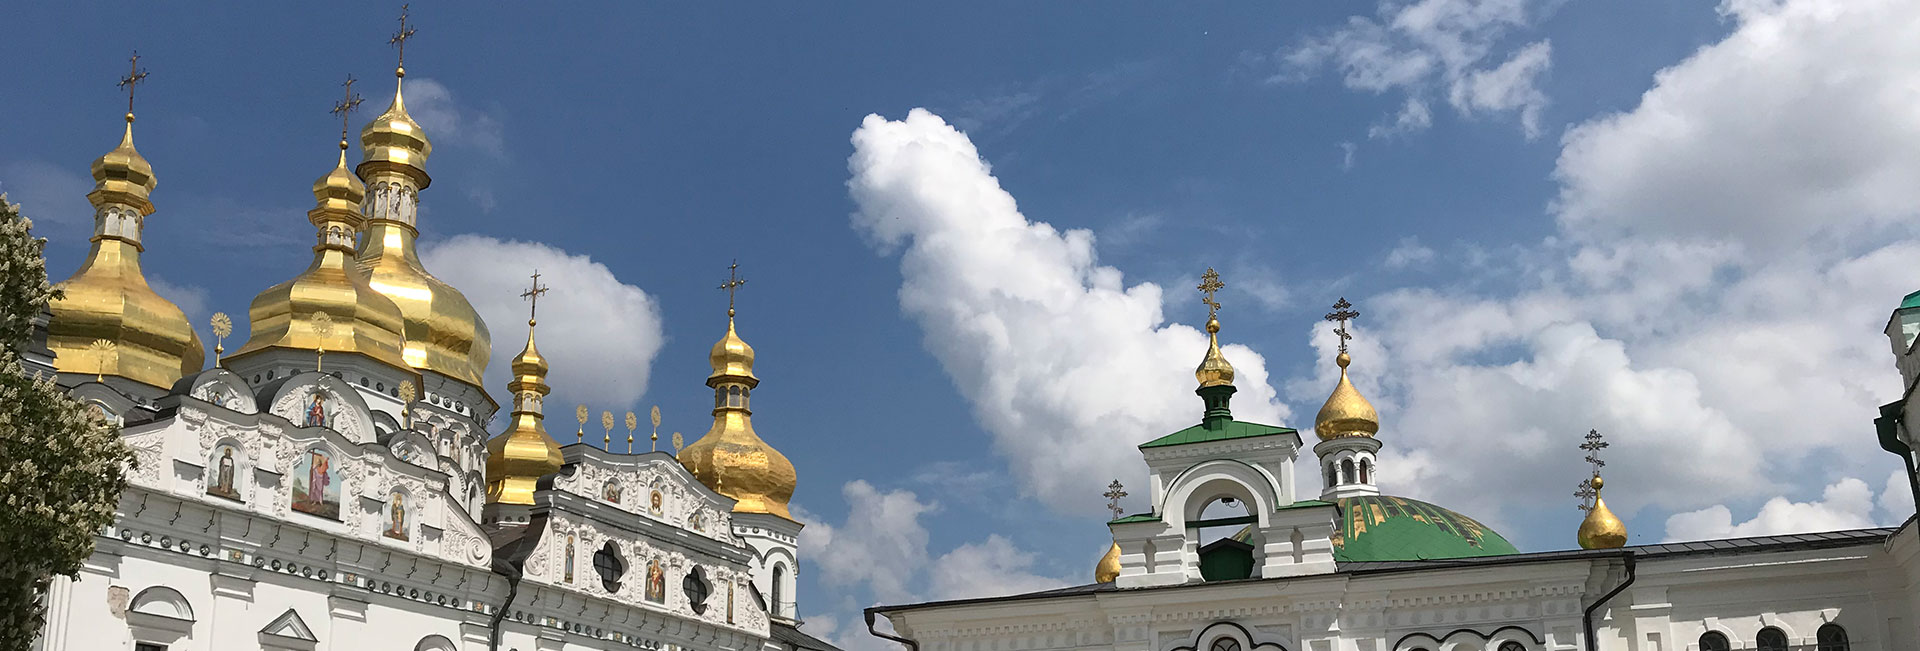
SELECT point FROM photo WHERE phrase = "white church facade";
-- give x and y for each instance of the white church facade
(1352, 569)
(332, 483)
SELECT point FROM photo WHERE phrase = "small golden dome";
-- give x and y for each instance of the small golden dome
(1109, 567)
(521, 455)
(393, 141)
(360, 318)
(124, 176)
(731, 356)
(1346, 413)
(1214, 370)
(151, 341)
(1601, 529)
(731, 458)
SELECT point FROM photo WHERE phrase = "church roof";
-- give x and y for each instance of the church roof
(1388, 528)
(1233, 429)
(794, 638)
(1912, 300)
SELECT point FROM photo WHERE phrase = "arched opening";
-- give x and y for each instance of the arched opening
(1330, 474)
(779, 581)
(1227, 536)
(1511, 645)
(1715, 641)
(1831, 637)
(1770, 639)
(1346, 471)
(1225, 644)
(1366, 471)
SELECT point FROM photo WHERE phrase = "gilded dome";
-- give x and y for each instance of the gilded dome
(393, 141)
(148, 339)
(1214, 370)
(731, 458)
(1346, 413)
(360, 319)
(1109, 567)
(443, 332)
(521, 455)
(1601, 529)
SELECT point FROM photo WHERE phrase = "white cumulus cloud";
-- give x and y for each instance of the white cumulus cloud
(599, 335)
(1065, 364)
(1846, 504)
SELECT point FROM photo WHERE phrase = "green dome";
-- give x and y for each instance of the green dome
(1388, 528)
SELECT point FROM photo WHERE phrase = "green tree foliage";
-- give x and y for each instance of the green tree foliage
(61, 469)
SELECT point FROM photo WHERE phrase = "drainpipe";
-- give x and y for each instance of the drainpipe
(1888, 426)
(511, 562)
(911, 645)
(512, 573)
(1586, 618)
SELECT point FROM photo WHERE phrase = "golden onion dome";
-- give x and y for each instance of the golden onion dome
(359, 318)
(443, 332)
(1601, 529)
(393, 141)
(110, 322)
(1109, 567)
(1346, 413)
(731, 458)
(521, 455)
(731, 356)
(1214, 370)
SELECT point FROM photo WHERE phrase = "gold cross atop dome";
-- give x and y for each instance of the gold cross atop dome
(1342, 313)
(734, 281)
(345, 108)
(1210, 283)
(399, 40)
(135, 75)
(532, 295)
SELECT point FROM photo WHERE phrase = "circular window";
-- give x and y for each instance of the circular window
(1225, 644)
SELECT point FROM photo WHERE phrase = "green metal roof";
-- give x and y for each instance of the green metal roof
(1137, 517)
(1387, 528)
(1912, 300)
(1233, 429)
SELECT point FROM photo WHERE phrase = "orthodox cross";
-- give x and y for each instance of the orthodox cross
(1593, 445)
(1210, 283)
(734, 281)
(1115, 490)
(345, 108)
(1342, 313)
(400, 37)
(533, 296)
(1585, 492)
(135, 75)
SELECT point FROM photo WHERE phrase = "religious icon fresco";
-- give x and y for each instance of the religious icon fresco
(568, 577)
(316, 485)
(396, 516)
(656, 582)
(729, 602)
(611, 492)
(223, 471)
(316, 411)
(654, 502)
(697, 521)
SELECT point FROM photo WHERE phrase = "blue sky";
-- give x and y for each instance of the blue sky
(1545, 233)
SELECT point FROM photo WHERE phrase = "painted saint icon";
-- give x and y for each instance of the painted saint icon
(569, 575)
(316, 411)
(396, 517)
(729, 602)
(697, 522)
(656, 582)
(315, 486)
(654, 502)
(224, 468)
(611, 492)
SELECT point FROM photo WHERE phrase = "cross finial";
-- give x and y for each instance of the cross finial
(399, 40)
(135, 75)
(533, 296)
(344, 108)
(1342, 313)
(1114, 493)
(1585, 492)
(1210, 283)
(1595, 443)
(734, 281)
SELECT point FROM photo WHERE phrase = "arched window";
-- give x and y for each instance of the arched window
(1508, 645)
(1346, 471)
(1366, 471)
(733, 396)
(1225, 644)
(1330, 474)
(1831, 637)
(1714, 641)
(1770, 639)
(779, 578)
